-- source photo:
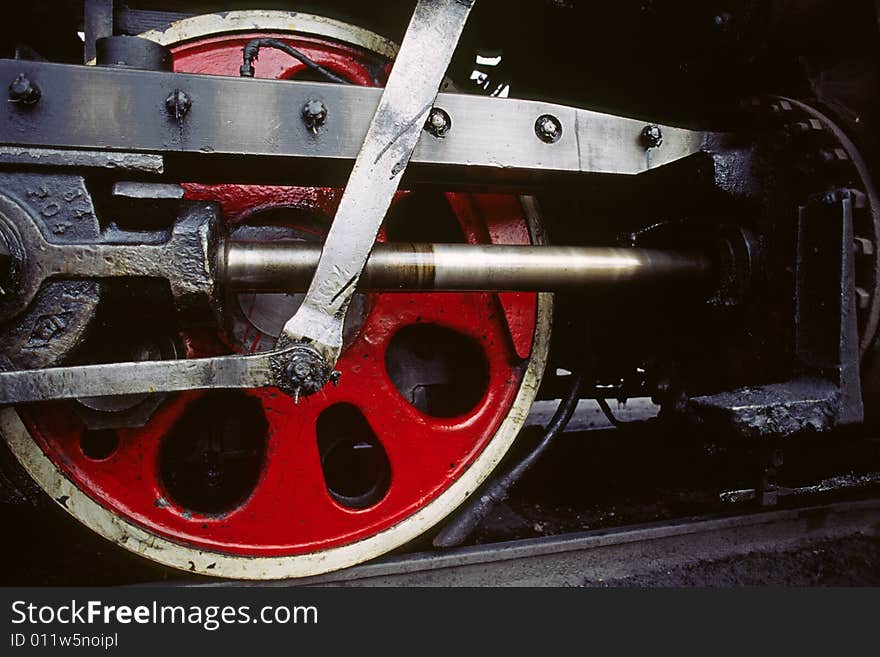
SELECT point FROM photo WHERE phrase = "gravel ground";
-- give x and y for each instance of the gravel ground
(851, 561)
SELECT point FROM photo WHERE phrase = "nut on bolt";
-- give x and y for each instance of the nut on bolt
(652, 136)
(302, 371)
(548, 128)
(722, 20)
(22, 90)
(314, 114)
(439, 122)
(178, 104)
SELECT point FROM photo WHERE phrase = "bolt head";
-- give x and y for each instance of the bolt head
(314, 114)
(548, 128)
(439, 122)
(830, 198)
(178, 104)
(833, 155)
(721, 20)
(652, 136)
(301, 368)
(22, 90)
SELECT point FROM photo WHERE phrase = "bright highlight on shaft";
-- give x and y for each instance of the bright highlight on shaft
(289, 267)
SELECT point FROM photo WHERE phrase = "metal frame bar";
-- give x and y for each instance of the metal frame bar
(248, 130)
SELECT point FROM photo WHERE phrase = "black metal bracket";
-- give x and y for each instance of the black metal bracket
(825, 390)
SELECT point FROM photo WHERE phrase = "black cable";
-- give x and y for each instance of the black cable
(467, 520)
(251, 51)
(606, 409)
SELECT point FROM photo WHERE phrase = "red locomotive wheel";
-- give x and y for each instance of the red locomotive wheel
(435, 387)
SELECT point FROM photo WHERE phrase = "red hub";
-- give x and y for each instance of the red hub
(427, 380)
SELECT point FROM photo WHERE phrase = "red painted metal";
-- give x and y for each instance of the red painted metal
(290, 511)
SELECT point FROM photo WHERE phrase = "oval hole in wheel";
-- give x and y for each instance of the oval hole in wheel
(356, 468)
(212, 458)
(439, 371)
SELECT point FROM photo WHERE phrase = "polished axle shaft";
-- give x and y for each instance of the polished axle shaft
(289, 266)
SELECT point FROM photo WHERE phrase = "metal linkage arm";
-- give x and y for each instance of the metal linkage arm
(412, 87)
(136, 378)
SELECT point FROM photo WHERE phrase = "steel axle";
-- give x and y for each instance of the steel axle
(289, 267)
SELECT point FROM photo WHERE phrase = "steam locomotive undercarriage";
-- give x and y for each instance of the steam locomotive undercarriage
(271, 306)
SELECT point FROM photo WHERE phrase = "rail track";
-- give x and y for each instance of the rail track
(610, 524)
(615, 555)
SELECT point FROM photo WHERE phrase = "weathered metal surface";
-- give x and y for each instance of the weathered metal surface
(132, 52)
(830, 485)
(148, 191)
(57, 319)
(76, 159)
(821, 231)
(97, 108)
(186, 257)
(777, 410)
(144, 377)
(826, 393)
(826, 334)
